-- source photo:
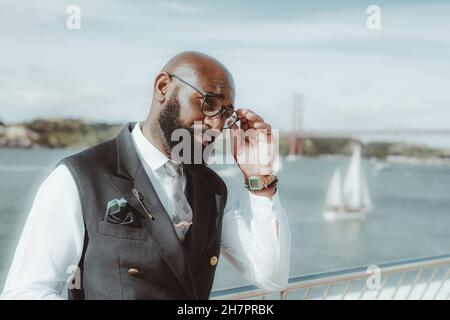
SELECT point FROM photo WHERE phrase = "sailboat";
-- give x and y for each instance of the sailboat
(352, 199)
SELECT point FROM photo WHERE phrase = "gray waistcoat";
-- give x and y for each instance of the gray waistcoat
(167, 268)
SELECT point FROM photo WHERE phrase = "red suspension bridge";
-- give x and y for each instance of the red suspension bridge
(298, 134)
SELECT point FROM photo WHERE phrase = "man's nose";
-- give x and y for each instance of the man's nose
(215, 122)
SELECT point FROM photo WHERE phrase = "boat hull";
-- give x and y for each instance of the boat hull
(332, 215)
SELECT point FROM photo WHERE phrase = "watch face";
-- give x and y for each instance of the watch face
(254, 183)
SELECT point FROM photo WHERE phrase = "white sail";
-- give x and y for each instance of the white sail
(334, 193)
(352, 184)
(353, 201)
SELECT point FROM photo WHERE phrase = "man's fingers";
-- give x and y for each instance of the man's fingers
(262, 125)
(244, 124)
(249, 115)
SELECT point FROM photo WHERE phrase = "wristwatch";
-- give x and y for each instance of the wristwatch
(257, 183)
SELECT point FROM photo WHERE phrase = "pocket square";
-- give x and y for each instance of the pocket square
(117, 212)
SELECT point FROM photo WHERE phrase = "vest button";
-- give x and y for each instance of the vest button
(213, 261)
(133, 271)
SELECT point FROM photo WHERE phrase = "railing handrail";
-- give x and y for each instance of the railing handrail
(339, 275)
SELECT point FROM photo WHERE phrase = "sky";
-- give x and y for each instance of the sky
(350, 77)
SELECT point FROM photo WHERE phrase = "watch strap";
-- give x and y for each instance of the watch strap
(257, 183)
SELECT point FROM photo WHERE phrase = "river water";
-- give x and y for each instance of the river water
(411, 216)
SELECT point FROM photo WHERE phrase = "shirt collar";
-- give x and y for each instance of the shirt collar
(154, 158)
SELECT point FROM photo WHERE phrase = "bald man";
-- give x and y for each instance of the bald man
(126, 220)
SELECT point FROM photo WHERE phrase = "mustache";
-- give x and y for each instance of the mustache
(208, 133)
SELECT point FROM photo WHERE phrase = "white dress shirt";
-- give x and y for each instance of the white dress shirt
(256, 243)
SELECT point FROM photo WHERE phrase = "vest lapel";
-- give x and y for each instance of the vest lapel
(131, 173)
(199, 196)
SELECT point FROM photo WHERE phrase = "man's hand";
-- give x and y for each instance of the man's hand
(252, 146)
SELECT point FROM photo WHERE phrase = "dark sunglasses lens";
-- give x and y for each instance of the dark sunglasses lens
(211, 106)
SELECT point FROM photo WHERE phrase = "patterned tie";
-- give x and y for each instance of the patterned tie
(181, 210)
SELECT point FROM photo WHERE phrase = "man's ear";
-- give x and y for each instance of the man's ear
(161, 87)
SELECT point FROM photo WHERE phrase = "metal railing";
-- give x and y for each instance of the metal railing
(413, 279)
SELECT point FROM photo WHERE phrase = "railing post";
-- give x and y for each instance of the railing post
(429, 282)
(382, 286)
(398, 285)
(347, 288)
(414, 283)
(442, 284)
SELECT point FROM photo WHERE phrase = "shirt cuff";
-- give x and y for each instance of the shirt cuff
(262, 205)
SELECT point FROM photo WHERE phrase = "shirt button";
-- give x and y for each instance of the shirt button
(213, 261)
(133, 271)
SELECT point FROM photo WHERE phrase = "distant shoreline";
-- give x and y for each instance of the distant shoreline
(79, 134)
(56, 133)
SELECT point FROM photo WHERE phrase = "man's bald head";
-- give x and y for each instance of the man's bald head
(199, 67)
(179, 92)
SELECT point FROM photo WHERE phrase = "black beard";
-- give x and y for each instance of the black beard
(169, 120)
